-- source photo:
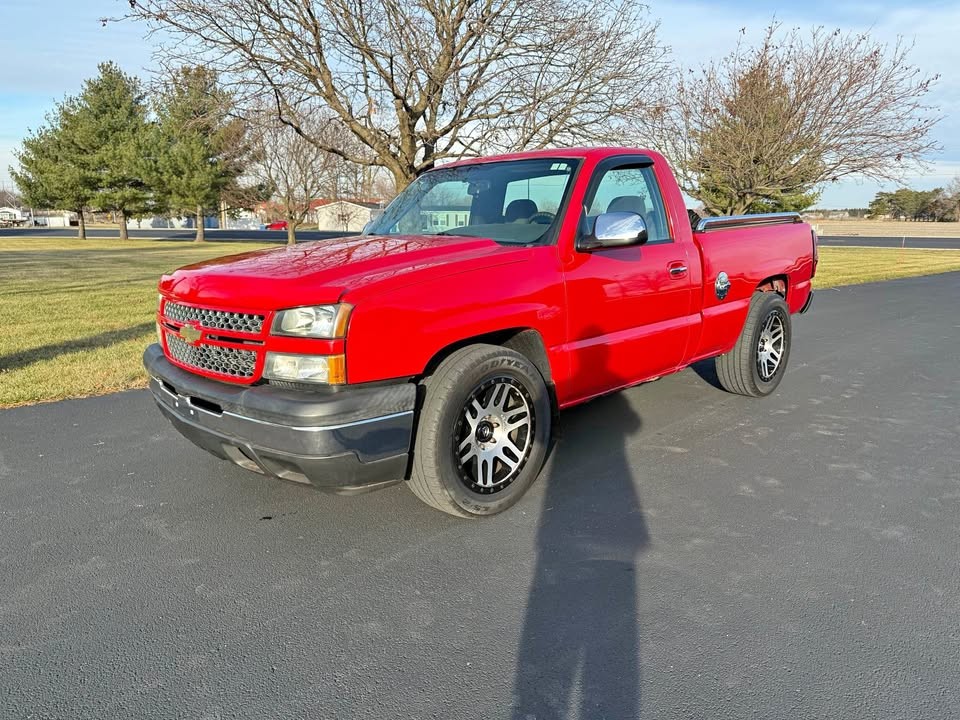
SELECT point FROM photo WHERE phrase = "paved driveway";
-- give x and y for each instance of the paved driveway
(687, 554)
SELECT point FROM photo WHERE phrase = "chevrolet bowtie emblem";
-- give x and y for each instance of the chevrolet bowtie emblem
(190, 334)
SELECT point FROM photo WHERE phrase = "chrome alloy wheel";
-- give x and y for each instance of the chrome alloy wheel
(494, 435)
(770, 346)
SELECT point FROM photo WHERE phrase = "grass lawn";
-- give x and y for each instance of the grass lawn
(79, 313)
(854, 265)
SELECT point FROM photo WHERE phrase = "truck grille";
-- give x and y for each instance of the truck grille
(232, 362)
(214, 319)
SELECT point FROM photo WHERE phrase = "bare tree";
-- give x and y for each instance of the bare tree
(346, 214)
(10, 198)
(361, 182)
(953, 195)
(419, 82)
(295, 169)
(768, 124)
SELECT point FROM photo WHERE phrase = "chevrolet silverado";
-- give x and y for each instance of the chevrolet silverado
(439, 346)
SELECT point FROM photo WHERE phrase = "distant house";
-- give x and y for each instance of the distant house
(345, 215)
(351, 215)
(441, 218)
(56, 218)
(173, 222)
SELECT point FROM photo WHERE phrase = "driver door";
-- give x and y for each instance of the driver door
(628, 307)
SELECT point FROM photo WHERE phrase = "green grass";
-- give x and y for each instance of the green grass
(78, 313)
(855, 265)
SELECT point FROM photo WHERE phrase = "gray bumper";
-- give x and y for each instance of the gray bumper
(343, 440)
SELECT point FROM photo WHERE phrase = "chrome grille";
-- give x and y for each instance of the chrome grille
(213, 358)
(214, 319)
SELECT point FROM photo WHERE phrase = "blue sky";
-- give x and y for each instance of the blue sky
(49, 47)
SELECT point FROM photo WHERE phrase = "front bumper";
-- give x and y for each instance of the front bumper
(342, 440)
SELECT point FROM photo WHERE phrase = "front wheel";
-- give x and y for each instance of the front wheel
(757, 362)
(483, 432)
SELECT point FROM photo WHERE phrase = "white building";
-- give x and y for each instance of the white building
(344, 215)
(444, 218)
(184, 222)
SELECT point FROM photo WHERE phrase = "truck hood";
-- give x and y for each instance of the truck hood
(326, 271)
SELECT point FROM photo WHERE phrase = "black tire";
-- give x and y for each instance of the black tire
(746, 370)
(437, 477)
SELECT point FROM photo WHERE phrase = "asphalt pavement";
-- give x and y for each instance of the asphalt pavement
(935, 243)
(307, 235)
(686, 554)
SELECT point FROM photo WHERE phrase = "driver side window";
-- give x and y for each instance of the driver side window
(630, 188)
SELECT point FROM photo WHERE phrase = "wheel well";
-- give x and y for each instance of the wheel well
(777, 284)
(525, 341)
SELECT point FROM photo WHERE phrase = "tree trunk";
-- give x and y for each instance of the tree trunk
(81, 226)
(291, 232)
(123, 225)
(200, 229)
(402, 177)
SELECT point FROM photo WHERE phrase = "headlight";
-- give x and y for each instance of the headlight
(329, 369)
(317, 321)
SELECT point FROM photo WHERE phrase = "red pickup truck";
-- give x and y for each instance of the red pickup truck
(438, 346)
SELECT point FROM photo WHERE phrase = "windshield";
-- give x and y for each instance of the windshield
(514, 201)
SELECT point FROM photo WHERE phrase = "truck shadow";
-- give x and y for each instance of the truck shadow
(707, 370)
(579, 643)
(23, 358)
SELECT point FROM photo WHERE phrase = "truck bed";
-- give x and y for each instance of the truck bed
(750, 250)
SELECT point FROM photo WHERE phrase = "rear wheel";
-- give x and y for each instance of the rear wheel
(757, 362)
(483, 432)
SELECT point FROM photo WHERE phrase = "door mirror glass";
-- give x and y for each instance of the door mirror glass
(615, 229)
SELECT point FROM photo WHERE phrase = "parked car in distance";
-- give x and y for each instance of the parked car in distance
(438, 347)
(277, 225)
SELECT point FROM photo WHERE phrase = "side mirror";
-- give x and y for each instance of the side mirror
(615, 229)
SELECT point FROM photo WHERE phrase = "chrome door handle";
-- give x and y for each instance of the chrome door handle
(678, 270)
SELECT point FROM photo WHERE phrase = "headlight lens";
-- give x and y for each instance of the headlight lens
(318, 321)
(328, 369)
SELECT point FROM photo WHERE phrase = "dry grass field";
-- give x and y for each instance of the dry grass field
(856, 265)
(886, 228)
